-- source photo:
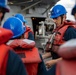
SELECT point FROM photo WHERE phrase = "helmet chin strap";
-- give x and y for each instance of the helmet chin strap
(75, 19)
(61, 19)
(3, 16)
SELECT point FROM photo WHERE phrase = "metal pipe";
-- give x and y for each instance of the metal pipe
(25, 2)
(31, 5)
(16, 3)
(46, 9)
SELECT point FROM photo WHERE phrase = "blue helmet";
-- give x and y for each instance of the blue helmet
(73, 10)
(15, 25)
(3, 4)
(20, 16)
(57, 11)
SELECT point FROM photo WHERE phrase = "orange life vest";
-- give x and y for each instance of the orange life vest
(28, 53)
(5, 35)
(59, 39)
(26, 34)
(66, 67)
(31, 59)
(3, 58)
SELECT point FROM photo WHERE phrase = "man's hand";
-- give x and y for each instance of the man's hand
(52, 62)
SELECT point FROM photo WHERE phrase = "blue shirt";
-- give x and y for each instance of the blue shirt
(70, 33)
(31, 36)
(15, 65)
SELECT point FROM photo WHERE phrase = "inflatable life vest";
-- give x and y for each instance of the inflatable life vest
(26, 34)
(59, 39)
(3, 59)
(56, 39)
(29, 54)
(67, 66)
(4, 49)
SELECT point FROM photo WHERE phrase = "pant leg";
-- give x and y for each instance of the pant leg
(52, 70)
(42, 68)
